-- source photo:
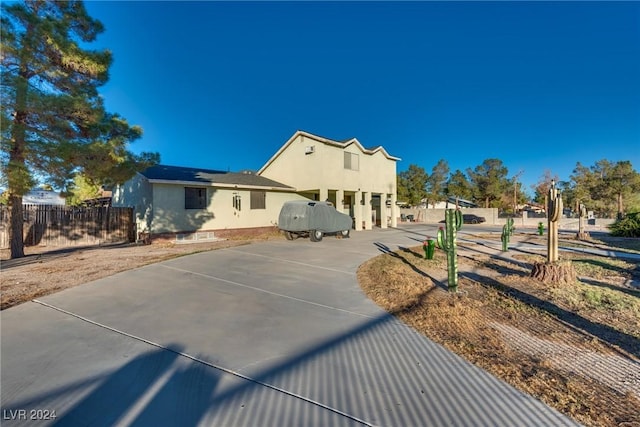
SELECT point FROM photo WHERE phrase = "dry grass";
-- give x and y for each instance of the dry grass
(632, 245)
(531, 336)
(44, 271)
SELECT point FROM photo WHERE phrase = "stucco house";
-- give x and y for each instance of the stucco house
(358, 181)
(172, 199)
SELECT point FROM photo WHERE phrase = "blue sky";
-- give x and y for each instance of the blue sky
(539, 85)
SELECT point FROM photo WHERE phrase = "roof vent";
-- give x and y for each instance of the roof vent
(309, 149)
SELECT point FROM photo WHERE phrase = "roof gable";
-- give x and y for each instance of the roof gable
(327, 141)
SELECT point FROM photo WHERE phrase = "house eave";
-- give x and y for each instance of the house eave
(221, 185)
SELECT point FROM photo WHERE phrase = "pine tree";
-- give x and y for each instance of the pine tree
(489, 181)
(412, 185)
(458, 186)
(54, 124)
(437, 182)
(605, 186)
(82, 190)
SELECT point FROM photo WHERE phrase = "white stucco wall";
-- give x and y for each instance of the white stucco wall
(170, 215)
(324, 168)
(136, 193)
(316, 165)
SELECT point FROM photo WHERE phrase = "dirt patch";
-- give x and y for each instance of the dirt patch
(44, 270)
(575, 347)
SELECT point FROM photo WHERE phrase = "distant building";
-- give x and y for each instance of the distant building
(463, 203)
(43, 197)
(98, 202)
(450, 203)
(102, 201)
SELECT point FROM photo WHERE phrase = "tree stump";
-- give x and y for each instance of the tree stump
(554, 273)
(583, 235)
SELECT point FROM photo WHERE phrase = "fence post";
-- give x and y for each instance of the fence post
(132, 225)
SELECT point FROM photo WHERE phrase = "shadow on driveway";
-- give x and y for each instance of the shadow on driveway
(377, 373)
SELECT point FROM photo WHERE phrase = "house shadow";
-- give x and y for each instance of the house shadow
(143, 392)
(159, 387)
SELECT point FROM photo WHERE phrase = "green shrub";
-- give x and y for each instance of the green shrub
(629, 226)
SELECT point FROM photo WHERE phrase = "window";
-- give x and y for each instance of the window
(351, 161)
(258, 200)
(195, 198)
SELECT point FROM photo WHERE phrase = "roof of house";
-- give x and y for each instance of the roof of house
(341, 144)
(462, 202)
(177, 174)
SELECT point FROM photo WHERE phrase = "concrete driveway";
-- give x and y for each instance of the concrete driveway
(269, 334)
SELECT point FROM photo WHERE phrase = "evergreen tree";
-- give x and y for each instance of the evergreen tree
(605, 186)
(412, 185)
(622, 181)
(54, 121)
(81, 190)
(582, 182)
(489, 181)
(515, 195)
(569, 199)
(437, 182)
(459, 186)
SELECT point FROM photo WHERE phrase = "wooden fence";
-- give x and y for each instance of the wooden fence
(47, 225)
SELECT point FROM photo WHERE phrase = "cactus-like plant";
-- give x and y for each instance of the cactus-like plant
(447, 242)
(507, 231)
(582, 214)
(429, 247)
(554, 213)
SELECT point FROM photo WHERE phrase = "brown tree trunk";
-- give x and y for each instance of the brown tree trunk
(554, 273)
(18, 179)
(16, 227)
(620, 208)
(18, 175)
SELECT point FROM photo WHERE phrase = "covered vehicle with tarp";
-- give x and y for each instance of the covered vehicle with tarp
(300, 218)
